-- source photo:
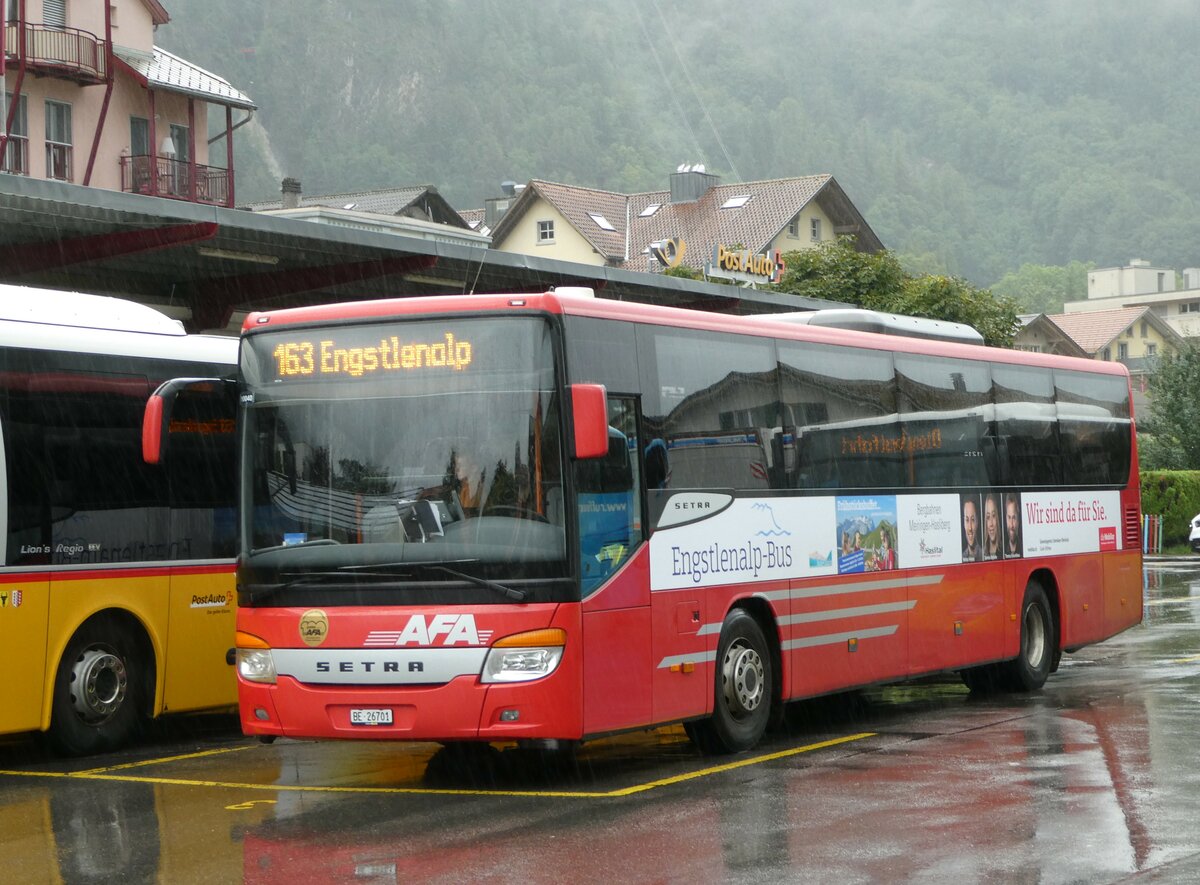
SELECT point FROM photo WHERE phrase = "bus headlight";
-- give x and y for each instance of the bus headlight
(524, 657)
(254, 661)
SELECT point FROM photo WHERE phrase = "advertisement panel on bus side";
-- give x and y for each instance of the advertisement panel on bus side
(706, 539)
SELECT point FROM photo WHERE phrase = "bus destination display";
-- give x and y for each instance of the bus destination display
(328, 357)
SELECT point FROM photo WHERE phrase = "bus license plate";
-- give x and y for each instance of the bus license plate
(371, 717)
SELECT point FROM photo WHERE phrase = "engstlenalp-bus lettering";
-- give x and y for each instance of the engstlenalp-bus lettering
(715, 559)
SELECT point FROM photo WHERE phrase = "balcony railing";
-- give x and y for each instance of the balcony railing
(69, 52)
(166, 177)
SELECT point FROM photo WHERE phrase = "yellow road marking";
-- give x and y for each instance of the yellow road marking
(1190, 660)
(104, 775)
(245, 806)
(164, 760)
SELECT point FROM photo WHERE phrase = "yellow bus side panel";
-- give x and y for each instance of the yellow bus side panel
(74, 600)
(203, 617)
(24, 609)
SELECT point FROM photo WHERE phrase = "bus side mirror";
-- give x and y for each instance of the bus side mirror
(589, 410)
(208, 407)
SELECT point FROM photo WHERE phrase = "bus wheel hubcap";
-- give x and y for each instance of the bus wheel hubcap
(743, 677)
(98, 684)
(1035, 637)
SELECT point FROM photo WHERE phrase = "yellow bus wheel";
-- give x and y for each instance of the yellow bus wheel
(98, 691)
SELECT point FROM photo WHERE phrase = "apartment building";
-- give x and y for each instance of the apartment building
(1140, 284)
(89, 99)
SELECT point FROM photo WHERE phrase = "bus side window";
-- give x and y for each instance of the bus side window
(610, 520)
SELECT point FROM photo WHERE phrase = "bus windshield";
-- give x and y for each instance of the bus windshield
(423, 451)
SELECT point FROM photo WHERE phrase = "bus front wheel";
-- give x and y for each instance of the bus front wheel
(98, 697)
(744, 684)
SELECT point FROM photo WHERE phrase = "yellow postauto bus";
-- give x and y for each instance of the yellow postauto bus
(116, 577)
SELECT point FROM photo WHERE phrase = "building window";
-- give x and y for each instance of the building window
(1145, 327)
(12, 10)
(139, 137)
(601, 222)
(54, 13)
(1106, 354)
(1162, 282)
(815, 228)
(1122, 351)
(1151, 350)
(175, 149)
(58, 141)
(16, 152)
(545, 232)
(794, 227)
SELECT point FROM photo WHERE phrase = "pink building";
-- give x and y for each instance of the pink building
(90, 99)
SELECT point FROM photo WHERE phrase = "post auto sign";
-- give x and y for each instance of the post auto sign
(745, 265)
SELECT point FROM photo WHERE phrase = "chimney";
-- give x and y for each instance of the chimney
(494, 208)
(290, 189)
(690, 182)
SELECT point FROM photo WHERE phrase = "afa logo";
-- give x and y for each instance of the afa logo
(314, 627)
(443, 629)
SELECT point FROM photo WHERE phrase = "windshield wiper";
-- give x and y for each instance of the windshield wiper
(313, 577)
(513, 593)
(507, 592)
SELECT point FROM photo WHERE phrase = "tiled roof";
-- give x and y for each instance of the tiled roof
(753, 224)
(387, 201)
(1094, 329)
(164, 70)
(474, 218)
(578, 204)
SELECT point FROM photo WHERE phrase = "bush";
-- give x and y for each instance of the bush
(1175, 496)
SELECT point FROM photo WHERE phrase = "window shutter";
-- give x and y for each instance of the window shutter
(54, 13)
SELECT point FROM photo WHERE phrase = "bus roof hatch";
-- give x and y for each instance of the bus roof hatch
(881, 324)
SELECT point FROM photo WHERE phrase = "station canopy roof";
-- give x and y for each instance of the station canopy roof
(207, 265)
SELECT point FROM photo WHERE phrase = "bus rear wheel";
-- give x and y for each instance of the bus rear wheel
(98, 692)
(1030, 668)
(744, 685)
(1038, 655)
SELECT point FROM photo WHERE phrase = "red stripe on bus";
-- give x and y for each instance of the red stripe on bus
(127, 572)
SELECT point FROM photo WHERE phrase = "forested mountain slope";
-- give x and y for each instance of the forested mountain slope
(975, 136)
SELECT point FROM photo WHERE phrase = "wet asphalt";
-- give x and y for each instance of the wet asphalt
(1093, 779)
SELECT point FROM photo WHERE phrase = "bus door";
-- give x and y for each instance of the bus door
(201, 477)
(25, 595)
(615, 591)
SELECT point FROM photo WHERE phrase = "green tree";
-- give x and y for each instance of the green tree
(836, 271)
(955, 300)
(1042, 288)
(1174, 426)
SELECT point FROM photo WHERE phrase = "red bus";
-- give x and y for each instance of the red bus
(460, 521)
